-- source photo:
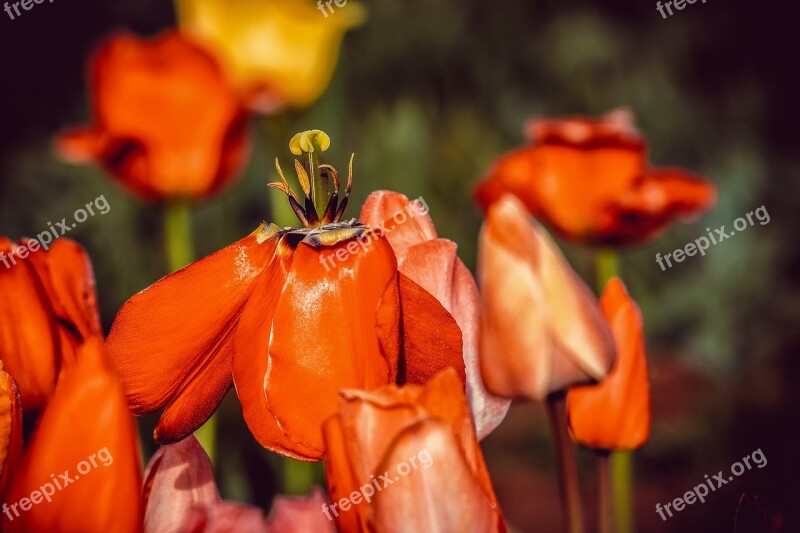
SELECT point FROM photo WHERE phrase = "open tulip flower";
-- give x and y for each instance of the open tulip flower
(180, 494)
(282, 52)
(83, 458)
(541, 327)
(406, 459)
(48, 308)
(615, 414)
(590, 181)
(291, 315)
(168, 124)
(417, 247)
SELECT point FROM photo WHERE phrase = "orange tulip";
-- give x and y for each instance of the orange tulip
(615, 414)
(413, 237)
(180, 495)
(10, 428)
(81, 471)
(167, 121)
(48, 307)
(541, 328)
(293, 315)
(590, 181)
(406, 459)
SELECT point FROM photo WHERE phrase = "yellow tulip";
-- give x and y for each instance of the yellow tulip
(282, 52)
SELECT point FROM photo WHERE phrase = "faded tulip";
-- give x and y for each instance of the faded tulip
(407, 459)
(541, 328)
(590, 181)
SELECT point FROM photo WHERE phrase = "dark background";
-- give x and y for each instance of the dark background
(427, 94)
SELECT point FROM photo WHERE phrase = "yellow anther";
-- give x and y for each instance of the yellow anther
(304, 142)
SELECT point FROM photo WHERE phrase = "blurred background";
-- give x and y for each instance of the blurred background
(428, 94)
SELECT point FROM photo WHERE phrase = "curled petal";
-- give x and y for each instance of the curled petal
(541, 328)
(405, 223)
(615, 414)
(178, 478)
(87, 433)
(172, 343)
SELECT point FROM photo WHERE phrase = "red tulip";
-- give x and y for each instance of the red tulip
(407, 459)
(433, 264)
(590, 181)
(48, 308)
(293, 315)
(615, 414)
(81, 471)
(10, 428)
(167, 121)
(541, 328)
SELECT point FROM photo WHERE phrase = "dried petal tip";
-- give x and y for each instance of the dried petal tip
(307, 140)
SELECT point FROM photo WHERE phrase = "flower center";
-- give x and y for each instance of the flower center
(319, 182)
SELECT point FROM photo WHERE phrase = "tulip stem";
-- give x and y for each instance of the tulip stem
(568, 468)
(621, 486)
(603, 493)
(179, 249)
(607, 262)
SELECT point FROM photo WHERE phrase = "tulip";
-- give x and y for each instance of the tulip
(81, 471)
(432, 263)
(291, 315)
(168, 124)
(590, 181)
(541, 328)
(10, 428)
(281, 52)
(49, 308)
(407, 459)
(180, 495)
(615, 414)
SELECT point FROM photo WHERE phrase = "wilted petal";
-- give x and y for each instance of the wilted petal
(615, 414)
(541, 328)
(87, 433)
(172, 343)
(405, 223)
(178, 477)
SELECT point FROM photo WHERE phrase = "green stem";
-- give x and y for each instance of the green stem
(180, 252)
(621, 486)
(606, 524)
(621, 462)
(568, 469)
(298, 476)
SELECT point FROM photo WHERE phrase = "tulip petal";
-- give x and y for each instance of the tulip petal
(329, 340)
(541, 328)
(178, 477)
(173, 342)
(405, 223)
(87, 433)
(615, 414)
(226, 517)
(410, 504)
(435, 266)
(10, 428)
(28, 333)
(67, 276)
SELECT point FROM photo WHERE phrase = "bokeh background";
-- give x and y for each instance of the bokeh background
(427, 94)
